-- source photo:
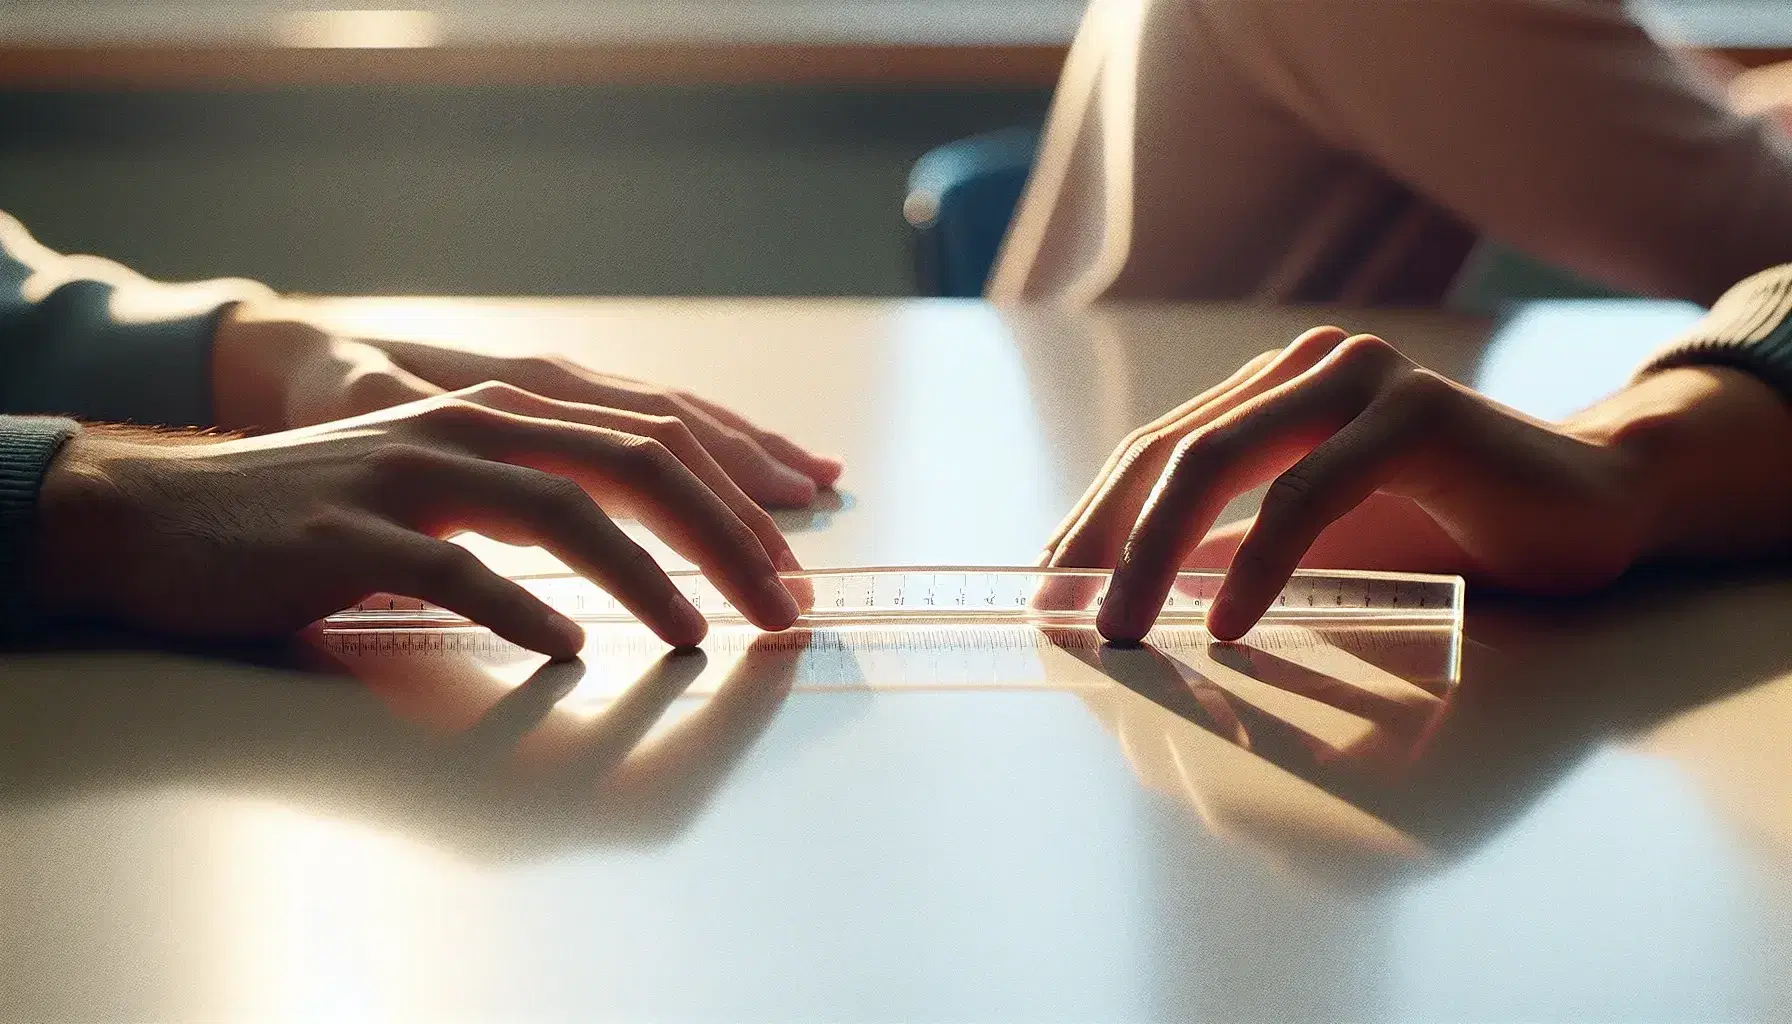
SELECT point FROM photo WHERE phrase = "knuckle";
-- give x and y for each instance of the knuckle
(1149, 445)
(737, 444)
(671, 431)
(647, 460)
(406, 460)
(1422, 390)
(1315, 344)
(541, 366)
(655, 402)
(498, 389)
(329, 526)
(457, 415)
(1290, 493)
(377, 388)
(1364, 353)
(561, 493)
(446, 566)
(1191, 452)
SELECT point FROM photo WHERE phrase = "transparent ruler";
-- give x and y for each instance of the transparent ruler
(973, 595)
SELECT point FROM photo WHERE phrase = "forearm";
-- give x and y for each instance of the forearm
(85, 337)
(1709, 450)
(1707, 426)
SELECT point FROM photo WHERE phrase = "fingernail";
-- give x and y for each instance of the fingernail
(777, 597)
(688, 625)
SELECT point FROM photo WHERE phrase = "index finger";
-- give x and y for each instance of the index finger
(648, 481)
(1246, 447)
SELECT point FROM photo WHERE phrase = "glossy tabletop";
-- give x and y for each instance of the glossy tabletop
(1595, 824)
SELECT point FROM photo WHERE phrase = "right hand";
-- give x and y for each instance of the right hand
(265, 535)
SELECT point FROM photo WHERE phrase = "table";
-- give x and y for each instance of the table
(1599, 827)
(263, 43)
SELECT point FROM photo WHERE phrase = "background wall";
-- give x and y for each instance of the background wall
(576, 191)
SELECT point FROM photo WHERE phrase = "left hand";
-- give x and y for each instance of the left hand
(271, 370)
(1374, 462)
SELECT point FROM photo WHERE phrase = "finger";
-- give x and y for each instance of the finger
(1247, 446)
(669, 431)
(1335, 477)
(1118, 459)
(401, 561)
(643, 479)
(1083, 538)
(1096, 538)
(823, 469)
(447, 494)
(766, 478)
(1092, 535)
(759, 474)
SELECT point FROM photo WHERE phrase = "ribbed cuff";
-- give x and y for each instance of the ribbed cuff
(27, 446)
(1750, 329)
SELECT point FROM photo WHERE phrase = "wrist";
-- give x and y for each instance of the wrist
(258, 352)
(1706, 456)
(81, 512)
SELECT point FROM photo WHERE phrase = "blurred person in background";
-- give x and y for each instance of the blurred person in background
(1355, 151)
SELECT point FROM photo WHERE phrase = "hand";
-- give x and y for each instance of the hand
(1374, 462)
(272, 370)
(265, 535)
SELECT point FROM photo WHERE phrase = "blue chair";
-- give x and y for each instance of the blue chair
(960, 199)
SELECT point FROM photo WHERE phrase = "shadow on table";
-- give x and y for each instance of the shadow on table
(1359, 768)
(1424, 780)
(442, 751)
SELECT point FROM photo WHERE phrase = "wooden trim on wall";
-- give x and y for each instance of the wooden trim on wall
(992, 65)
(673, 63)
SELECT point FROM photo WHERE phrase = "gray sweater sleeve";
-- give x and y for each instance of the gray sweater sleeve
(84, 337)
(27, 446)
(1749, 329)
